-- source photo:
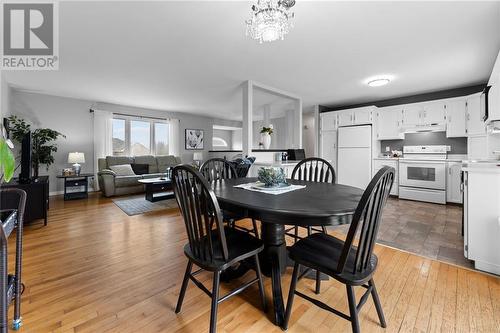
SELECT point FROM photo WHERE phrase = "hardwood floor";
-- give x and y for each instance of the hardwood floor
(95, 269)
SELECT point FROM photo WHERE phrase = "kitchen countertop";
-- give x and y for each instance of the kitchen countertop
(276, 163)
(481, 166)
(450, 158)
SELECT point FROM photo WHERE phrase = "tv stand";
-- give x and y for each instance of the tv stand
(37, 200)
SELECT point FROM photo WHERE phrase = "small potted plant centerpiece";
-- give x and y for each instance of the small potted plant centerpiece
(265, 135)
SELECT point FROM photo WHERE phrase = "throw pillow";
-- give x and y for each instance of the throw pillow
(140, 169)
(122, 170)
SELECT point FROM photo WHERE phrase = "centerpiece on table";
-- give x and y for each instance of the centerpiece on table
(271, 178)
(265, 136)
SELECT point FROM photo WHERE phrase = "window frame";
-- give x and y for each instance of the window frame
(152, 134)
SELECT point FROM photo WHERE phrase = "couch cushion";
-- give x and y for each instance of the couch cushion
(147, 159)
(118, 160)
(122, 170)
(167, 161)
(124, 181)
(140, 169)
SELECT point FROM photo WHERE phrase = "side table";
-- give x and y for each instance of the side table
(76, 186)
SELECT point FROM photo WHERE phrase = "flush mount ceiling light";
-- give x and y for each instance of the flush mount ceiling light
(378, 81)
(270, 20)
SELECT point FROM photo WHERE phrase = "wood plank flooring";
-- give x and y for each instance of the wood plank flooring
(95, 269)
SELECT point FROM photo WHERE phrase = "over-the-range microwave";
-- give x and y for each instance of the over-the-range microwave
(484, 103)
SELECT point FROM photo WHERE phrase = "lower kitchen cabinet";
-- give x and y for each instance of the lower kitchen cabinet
(454, 182)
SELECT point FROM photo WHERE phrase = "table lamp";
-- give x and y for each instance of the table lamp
(76, 158)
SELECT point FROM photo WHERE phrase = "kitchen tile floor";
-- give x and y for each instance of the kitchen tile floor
(430, 230)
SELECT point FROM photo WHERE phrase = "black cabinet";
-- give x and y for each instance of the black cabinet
(37, 199)
(76, 186)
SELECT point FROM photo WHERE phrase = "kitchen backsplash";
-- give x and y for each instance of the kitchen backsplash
(458, 145)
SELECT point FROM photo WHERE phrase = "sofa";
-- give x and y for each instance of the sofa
(112, 184)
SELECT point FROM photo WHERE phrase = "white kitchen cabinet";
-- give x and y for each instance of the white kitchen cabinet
(362, 116)
(412, 114)
(388, 122)
(456, 118)
(475, 125)
(328, 121)
(494, 93)
(433, 113)
(453, 182)
(477, 147)
(328, 147)
(380, 163)
(345, 118)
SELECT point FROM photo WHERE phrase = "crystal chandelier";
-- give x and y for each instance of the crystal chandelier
(270, 20)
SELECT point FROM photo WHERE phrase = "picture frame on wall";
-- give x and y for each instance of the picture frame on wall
(194, 139)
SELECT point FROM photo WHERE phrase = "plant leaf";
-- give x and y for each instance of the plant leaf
(7, 161)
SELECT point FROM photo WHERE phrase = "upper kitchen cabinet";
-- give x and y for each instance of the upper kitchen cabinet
(434, 113)
(424, 113)
(412, 114)
(388, 122)
(358, 116)
(475, 125)
(494, 93)
(328, 121)
(456, 118)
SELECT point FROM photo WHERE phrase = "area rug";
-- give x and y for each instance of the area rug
(137, 204)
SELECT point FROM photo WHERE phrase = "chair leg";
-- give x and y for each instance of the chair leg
(318, 282)
(291, 294)
(378, 306)
(352, 309)
(325, 231)
(309, 231)
(255, 230)
(184, 287)
(261, 283)
(296, 232)
(215, 298)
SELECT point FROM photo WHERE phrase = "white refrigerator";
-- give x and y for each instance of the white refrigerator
(354, 158)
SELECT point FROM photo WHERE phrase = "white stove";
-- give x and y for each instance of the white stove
(422, 173)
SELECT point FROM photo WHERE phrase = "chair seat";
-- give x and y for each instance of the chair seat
(322, 252)
(240, 245)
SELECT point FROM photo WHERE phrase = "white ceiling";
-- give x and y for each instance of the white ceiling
(192, 56)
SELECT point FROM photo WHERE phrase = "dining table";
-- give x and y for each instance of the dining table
(317, 204)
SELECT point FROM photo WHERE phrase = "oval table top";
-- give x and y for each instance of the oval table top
(316, 204)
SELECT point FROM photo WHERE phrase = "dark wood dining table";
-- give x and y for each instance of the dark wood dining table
(318, 204)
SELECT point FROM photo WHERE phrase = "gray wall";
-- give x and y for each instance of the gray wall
(226, 135)
(458, 145)
(72, 117)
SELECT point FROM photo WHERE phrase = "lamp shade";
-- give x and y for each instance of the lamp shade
(76, 157)
(197, 156)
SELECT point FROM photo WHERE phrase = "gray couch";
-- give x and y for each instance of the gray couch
(112, 185)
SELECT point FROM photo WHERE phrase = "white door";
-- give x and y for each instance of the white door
(477, 147)
(475, 125)
(362, 116)
(389, 123)
(453, 182)
(412, 114)
(354, 166)
(455, 119)
(345, 118)
(422, 174)
(433, 113)
(328, 121)
(329, 147)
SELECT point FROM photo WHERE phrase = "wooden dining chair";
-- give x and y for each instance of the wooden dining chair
(350, 262)
(313, 169)
(217, 169)
(211, 246)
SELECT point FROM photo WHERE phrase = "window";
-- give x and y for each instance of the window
(219, 142)
(118, 137)
(161, 139)
(140, 136)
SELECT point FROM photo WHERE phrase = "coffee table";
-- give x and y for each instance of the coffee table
(158, 189)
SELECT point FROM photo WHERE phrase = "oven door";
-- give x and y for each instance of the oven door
(422, 174)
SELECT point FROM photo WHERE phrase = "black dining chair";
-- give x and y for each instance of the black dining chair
(217, 169)
(350, 262)
(313, 169)
(212, 247)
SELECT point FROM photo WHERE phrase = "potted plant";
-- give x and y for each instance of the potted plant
(43, 145)
(7, 160)
(265, 135)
